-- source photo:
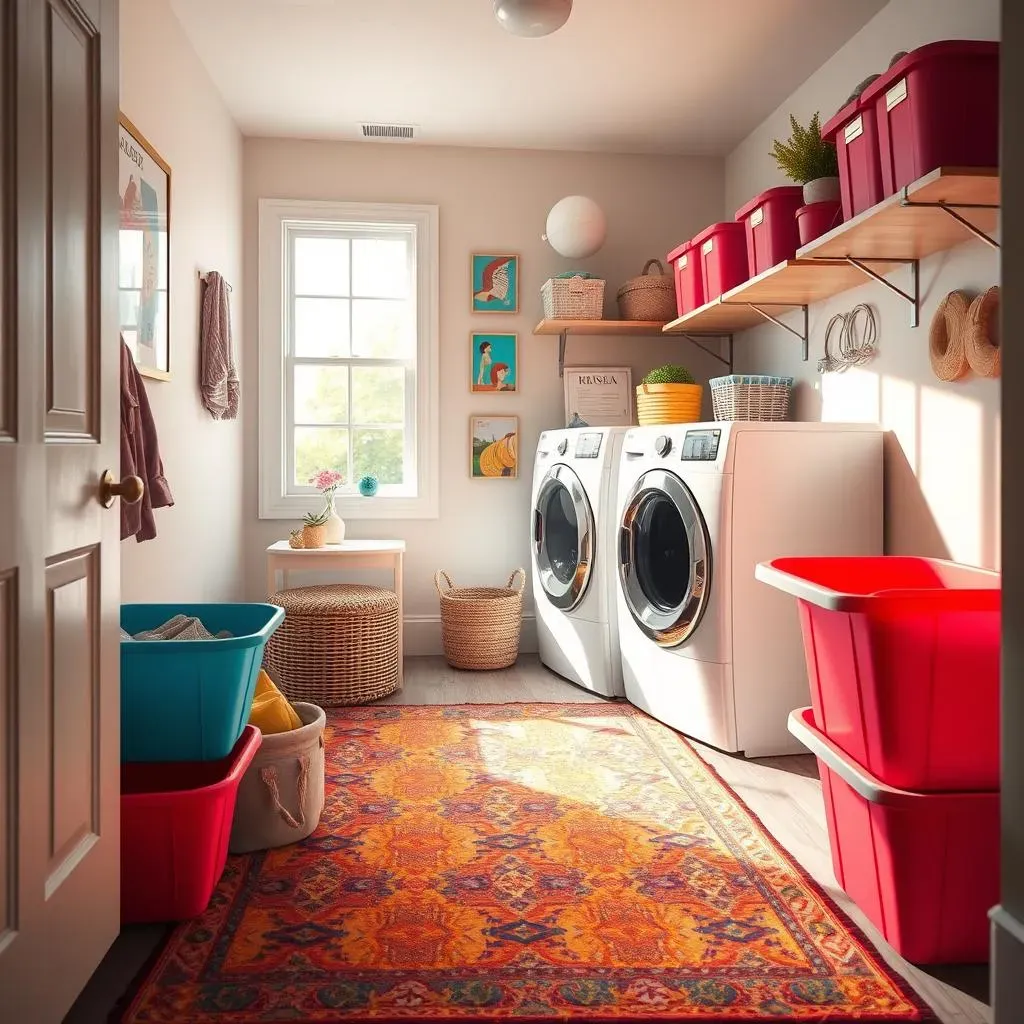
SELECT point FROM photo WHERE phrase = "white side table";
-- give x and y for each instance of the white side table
(348, 555)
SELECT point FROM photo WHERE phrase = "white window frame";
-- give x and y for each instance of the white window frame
(276, 216)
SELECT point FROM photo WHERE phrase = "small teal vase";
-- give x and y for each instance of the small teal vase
(368, 486)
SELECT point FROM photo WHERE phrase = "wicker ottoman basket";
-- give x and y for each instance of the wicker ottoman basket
(338, 644)
(480, 625)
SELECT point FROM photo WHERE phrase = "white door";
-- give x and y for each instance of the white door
(59, 559)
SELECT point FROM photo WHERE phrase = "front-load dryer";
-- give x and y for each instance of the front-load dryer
(705, 647)
(572, 542)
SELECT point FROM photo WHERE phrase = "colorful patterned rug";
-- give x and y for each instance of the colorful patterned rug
(526, 862)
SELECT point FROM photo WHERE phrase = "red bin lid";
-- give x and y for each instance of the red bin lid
(723, 227)
(678, 251)
(946, 48)
(779, 192)
(839, 121)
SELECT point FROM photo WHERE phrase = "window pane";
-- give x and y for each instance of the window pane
(321, 327)
(378, 394)
(383, 329)
(129, 263)
(321, 394)
(380, 268)
(319, 448)
(128, 306)
(321, 266)
(380, 453)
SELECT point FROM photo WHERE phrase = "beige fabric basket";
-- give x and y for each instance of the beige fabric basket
(338, 644)
(281, 795)
(480, 625)
(649, 296)
(573, 298)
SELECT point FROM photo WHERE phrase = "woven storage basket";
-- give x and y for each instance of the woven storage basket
(668, 403)
(480, 625)
(745, 397)
(338, 644)
(573, 298)
(649, 296)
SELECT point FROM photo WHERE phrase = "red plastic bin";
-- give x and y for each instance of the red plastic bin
(689, 278)
(854, 132)
(771, 228)
(924, 867)
(175, 825)
(817, 219)
(938, 106)
(722, 249)
(903, 661)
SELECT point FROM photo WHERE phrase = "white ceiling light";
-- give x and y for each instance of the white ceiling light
(532, 17)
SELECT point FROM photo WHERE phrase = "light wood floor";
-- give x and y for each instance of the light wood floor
(784, 792)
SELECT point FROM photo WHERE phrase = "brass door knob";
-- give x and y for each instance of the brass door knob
(129, 490)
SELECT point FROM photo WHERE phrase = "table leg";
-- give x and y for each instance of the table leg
(401, 620)
(271, 576)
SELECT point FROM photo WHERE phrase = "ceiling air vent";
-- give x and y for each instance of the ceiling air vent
(388, 132)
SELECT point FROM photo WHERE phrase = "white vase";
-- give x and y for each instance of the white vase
(821, 190)
(334, 528)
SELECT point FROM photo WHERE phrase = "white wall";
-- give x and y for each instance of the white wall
(167, 94)
(942, 482)
(489, 200)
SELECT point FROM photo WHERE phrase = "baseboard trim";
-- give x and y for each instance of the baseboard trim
(1007, 967)
(423, 635)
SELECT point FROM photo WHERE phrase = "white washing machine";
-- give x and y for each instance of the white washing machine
(573, 533)
(705, 647)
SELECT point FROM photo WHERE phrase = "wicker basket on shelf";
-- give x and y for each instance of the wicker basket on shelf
(480, 625)
(573, 298)
(751, 397)
(649, 296)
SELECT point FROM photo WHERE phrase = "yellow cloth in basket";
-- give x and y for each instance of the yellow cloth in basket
(271, 710)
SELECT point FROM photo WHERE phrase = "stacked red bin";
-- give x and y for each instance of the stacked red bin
(903, 662)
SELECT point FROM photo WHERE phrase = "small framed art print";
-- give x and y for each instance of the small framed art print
(494, 446)
(600, 396)
(494, 283)
(494, 363)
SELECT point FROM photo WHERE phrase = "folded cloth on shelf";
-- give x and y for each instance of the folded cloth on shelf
(181, 627)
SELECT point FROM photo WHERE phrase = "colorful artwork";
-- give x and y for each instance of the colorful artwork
(495, 283)
(144, 188)
(495, 446)
(495, 366)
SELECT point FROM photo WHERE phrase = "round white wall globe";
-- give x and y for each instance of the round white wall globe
(576, 227)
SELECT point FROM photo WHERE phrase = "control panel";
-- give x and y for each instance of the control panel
(588, 445)
(701, 445)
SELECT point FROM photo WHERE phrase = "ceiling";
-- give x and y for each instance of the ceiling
(631, 76)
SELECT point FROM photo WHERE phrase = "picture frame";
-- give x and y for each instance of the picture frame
(493, 362)
(601, 396)
(493, 447)
(494, 282)
(144, 247)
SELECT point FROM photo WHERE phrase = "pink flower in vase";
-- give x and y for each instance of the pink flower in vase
(327, 481)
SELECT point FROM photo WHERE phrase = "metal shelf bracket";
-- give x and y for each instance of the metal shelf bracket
(561, 354)
(913, 296)
(953, 210)
(696, 340)
(802, 335)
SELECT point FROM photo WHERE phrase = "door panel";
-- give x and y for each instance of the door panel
(59, 765)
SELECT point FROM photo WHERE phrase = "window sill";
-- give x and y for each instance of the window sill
(352, 508)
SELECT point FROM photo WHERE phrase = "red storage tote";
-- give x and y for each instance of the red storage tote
(937, 107)
(854, 132)
(924, 867)
(903, 661)
(689, 278)
(175, 825)
(771, 230)
(722, 249)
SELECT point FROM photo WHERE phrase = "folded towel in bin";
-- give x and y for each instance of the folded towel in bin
(181, 627)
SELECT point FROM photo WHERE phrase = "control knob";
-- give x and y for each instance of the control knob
(663, 445)
(563, 446)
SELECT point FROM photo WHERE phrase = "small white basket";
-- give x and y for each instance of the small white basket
(750, 397)
(573, 298)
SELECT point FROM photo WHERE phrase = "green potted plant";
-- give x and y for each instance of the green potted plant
(314, 525)
(809, 160)
(668, 394)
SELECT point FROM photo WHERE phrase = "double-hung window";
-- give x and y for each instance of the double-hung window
(348, 356)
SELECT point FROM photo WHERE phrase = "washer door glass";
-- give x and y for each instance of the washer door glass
(563, 537)
(664, 558)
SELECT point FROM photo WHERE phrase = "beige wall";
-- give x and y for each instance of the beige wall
(489, 200)
(166, 93)
(943, 465)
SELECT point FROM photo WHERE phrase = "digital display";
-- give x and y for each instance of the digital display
(588, 445)
(701, 445)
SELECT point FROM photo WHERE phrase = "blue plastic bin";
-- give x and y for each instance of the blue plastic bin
(188, 700)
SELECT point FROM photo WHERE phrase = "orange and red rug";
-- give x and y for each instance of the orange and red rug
(526, 862)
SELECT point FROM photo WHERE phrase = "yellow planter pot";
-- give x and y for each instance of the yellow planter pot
(668, 403)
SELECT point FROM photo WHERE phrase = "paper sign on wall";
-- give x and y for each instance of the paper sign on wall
(601, 396)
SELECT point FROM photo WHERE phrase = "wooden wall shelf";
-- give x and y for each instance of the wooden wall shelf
(594, 329)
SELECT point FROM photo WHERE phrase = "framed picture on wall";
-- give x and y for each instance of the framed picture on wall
(494, 365)
(600, 396)
(494, 446)
(494, 283)
(143, 272)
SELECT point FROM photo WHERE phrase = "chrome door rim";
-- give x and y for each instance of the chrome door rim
(565, 596)
(673, 626)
